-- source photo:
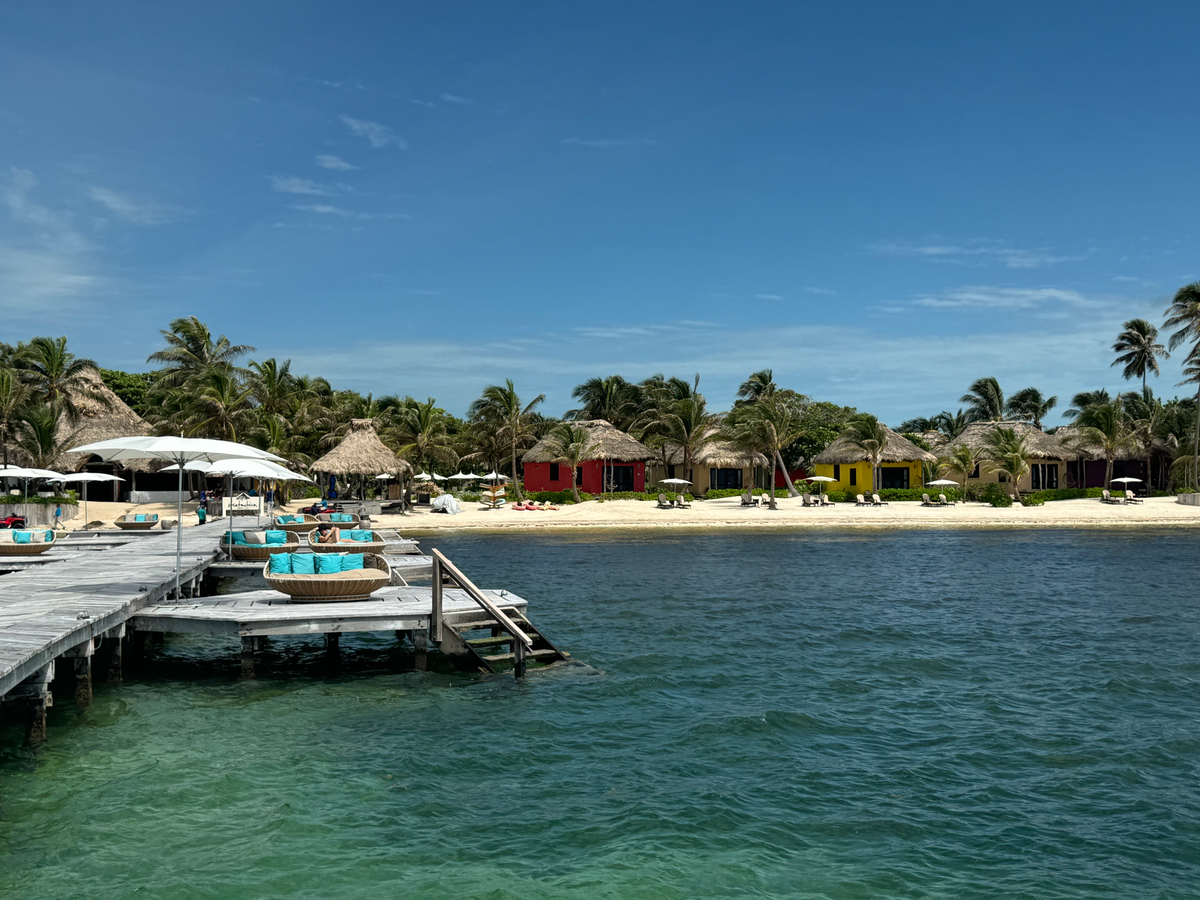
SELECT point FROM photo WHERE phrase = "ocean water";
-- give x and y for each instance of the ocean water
(843, 715)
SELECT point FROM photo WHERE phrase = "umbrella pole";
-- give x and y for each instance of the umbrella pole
(179, 529)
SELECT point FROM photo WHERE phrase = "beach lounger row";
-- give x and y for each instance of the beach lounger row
(1107, 497)
(679, 503)
(941, 501)
(861, 500)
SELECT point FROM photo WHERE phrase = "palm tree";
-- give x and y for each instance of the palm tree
(499, 409)
(1147, 416)
(870, 435)
(1106, 427)
(421, 433)
(962, 461)
(1083, 400)
(192, 351)
(1184, 316)
(1008, 455)
(612, 399)
(273, 386)
(985, 400)
(220, 407)
(760, 384)
(1029, 405)
(572, 445)
(687, 423)
(57, 377)
(919, 425)
(768, 425)
(951, 424)
(37, 435)
(13, 395)
(1139, 350)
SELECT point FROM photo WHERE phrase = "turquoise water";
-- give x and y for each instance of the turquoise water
(959, 714)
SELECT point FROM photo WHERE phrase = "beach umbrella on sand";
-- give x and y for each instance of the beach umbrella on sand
(1127, 480)
(86, 478)
(819, 479)
(179, 450)
(494, 476)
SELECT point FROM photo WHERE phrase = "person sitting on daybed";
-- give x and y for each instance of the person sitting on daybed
(329, 534)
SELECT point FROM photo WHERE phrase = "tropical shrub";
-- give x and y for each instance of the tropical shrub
(996, 495)
(1065, 494)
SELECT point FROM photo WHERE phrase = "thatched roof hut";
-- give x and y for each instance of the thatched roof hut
(361, 452)
(718, 454)
(1040, 444)
(104, 416)
(609, 444)
(897, 449)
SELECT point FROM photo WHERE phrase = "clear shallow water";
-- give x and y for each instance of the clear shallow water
(960, 714)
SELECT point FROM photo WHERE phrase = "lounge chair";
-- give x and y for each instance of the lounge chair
(137, 522)
(681, 502)
(352, 541)
(664, 503)
(764, 500)
(299, 523)
(942, 501)
(925, 501)
(258, 544)
(1130, 498)
(805, 500)
(351, 584)
(1106, 497)
(860, 500)
(875, 501)
(825, 501)
(748, 499)
(25, 542)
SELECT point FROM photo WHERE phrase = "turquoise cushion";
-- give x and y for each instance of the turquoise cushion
(328, 563)
(49, 536)
(238, 537)
(154, 518)
(23, 537)
(351, 561)
(276, 537)
(304, 563)
(345, 517)
(281, 564)
(139, 518)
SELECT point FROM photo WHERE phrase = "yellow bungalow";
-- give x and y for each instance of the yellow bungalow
(850, 467)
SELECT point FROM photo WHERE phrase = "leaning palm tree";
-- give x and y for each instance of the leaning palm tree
(571, 445)
(500, 410)
(38, 436)
(985, 400)
(1183, 315)
(1139, 350)
(57, 377)
(1007, 455)
(13, 396)
(961, 461)
(769, 425)
(1029, 405)
(1106, 427)
(870, 435)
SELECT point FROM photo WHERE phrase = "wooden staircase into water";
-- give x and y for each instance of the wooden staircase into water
(501, 640)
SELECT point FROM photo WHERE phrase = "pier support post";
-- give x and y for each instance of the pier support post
(35, 722)
(420, 639)
(34, 693)
(81, 655)
(333, 642)
(518, 658)
(247, 657)
(137, 648)
(113, 638)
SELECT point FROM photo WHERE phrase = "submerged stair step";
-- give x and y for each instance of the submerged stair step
(529, 654)
(491, 642)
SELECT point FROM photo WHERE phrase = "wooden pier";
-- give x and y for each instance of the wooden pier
(96, 594)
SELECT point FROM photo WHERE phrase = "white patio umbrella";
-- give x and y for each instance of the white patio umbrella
(674, 481)
(819, 479)
(179, 450)
(464, 476)
(253, 468)
(25, 474)
(424, 476)
(494, 476)
(86, 478)
(437, 477)
(385, 477)
(1127, 480)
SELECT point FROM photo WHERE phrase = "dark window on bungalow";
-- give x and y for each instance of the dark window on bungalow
(670, 471)
(853, 477)
(579, 475)
(975, 471)
(1043, 476)
(837, 473)
(554, 471)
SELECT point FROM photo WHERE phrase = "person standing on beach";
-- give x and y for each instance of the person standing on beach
(57, 516)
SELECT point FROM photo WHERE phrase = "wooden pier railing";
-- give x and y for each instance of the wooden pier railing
(522, 642)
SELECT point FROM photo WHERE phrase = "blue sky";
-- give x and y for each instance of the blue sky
(881, 202)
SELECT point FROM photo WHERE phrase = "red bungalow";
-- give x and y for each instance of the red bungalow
(618, 464)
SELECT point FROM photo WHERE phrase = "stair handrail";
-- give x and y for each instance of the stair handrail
(440, 563)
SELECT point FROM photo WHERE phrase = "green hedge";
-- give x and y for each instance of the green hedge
(1064, 494)
(35, 500)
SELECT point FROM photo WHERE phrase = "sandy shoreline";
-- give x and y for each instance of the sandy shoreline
(726, 513)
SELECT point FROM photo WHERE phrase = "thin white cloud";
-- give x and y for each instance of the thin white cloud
(824, 292)
(329, 161)
(326, 209)
(608, 143)
(290, 184)
(985, 297)
(379, 136)
(454, 98)
(977, 252)
(428, 104)
(768, 297)
(139, 212)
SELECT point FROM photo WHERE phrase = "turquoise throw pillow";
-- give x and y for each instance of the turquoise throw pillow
(281, 564)
(304, 563)
(23, 537)
(276, 537)
(238, 537)
(351, 561)
(49, 536)
(328, 563)
(139, 518)
(154, 518)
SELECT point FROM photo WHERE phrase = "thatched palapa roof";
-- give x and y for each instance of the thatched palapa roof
(104, 416)
(608, 442)
(718, 454)
(361, 452)
(1040, 444)
(897, 449)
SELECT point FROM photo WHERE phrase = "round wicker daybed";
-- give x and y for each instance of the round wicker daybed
(375, 545)
(130, 523)
(37, 541)
(259, 551)
(308, 523)
(357, 584)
